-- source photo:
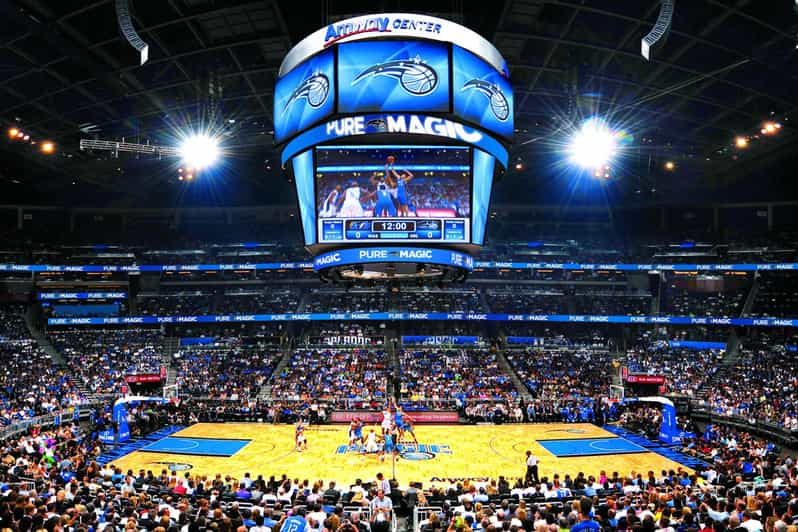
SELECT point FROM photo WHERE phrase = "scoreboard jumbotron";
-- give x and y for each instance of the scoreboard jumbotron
(369, 230)
(394, 127)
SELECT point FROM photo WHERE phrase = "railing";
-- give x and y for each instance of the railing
(420, 513)
(46, 420)
(703, 411)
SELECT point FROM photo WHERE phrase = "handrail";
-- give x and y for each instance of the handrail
(44, 420)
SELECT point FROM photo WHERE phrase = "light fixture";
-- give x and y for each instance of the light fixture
(594, 145)
(670, 165)
(13, 132)
(199, 151)
(48, 147)
(741, 142)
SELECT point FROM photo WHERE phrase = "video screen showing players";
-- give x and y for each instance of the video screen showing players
(393, 193)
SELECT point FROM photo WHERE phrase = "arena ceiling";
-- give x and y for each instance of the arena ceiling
(67, 74)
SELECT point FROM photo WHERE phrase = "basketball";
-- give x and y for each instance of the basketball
(419, 79)
(318, 89)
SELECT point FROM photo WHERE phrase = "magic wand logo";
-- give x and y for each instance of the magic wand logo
(414, 75)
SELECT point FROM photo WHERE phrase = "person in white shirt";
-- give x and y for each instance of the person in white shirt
(371, 442)
(750, 522)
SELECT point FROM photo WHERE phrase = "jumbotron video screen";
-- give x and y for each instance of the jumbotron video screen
(393, 193)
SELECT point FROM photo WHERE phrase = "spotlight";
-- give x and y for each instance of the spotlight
(180, 178)
(20, 134)
(741, 142)
(594, 145)
(519, 166)
(48, 147)
(199, 151)
(13, 132)
(768, 128)
(26, 138)
(670, 165)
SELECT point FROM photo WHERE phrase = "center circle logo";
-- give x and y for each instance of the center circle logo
(417, 455)
(175, 466)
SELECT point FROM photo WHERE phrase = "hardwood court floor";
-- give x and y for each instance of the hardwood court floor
(473, 452)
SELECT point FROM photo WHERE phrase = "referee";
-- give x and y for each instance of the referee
(532, 468)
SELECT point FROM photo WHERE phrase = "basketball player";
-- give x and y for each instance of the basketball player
(398, 422)
(371, 446)
(407, 426)
(384, 206)
(402, 198)
(356, 432)
(388, 445)
(387, 423)
(331, 203)
(351, 207)
(300, 440)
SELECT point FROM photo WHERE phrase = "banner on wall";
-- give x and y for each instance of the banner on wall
(428, 316)
(346, 416)
(440, 340)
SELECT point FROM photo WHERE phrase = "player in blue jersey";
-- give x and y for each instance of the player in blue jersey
(407, 427)
(402, 197)
(388, 445)
(384, 206)
(355, 432)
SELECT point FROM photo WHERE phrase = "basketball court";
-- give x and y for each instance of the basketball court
(443, 452)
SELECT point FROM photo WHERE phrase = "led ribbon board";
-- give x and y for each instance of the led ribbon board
(429, 316)
(374, 255)
(488, 265)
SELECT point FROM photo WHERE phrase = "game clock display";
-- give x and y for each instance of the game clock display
(393, 193)
(394, 229)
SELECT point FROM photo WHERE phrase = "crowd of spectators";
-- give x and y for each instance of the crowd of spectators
(686, 371)
(562, 373)
(31, 384)
(100, 358)
(452, 377)
(351, 377)
(761, 386)
(224, 370)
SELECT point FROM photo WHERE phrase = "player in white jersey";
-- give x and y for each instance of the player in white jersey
(371, 442)
(351, 208)
(330, 207)
(387, 420)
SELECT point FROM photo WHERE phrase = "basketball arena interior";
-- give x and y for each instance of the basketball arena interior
(398, 266)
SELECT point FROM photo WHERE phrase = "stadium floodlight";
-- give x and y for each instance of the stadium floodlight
(199, 151)
(594, 145)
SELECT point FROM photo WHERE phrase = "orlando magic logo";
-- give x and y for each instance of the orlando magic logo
(377, 125)
(414, 75)
(498, 101)
(314, 89)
